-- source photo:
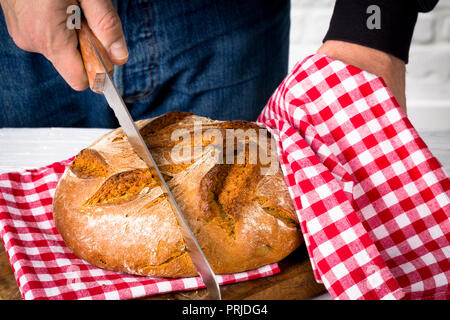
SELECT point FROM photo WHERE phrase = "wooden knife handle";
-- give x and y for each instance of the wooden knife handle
(93, 66)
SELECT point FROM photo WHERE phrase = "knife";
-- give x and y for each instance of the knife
(99, 69)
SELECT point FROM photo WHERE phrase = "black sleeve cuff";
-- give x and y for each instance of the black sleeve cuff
(398, 19)
(426, 5)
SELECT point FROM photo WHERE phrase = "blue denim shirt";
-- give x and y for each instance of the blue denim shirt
(222, 59)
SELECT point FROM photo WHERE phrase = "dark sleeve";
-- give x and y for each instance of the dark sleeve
(397, 21)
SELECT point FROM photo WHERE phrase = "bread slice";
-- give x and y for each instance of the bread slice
(111, 212)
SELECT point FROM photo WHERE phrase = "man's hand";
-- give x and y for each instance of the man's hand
(40, 26)
(390, 68)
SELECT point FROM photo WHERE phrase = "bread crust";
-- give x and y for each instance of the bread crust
(111, 212)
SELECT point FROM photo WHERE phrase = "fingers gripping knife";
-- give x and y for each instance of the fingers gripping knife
(99, 70)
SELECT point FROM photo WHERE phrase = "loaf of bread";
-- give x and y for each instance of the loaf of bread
(111, 212)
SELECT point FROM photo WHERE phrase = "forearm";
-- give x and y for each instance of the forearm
(390, 68)
(385, 25)
(378, 46)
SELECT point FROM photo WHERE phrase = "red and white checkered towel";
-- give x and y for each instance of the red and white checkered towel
(46, 269)
(372, 200)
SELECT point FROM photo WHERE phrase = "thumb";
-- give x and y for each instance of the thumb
(105, 23)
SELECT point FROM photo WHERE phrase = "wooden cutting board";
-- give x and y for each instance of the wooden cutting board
(295, 281)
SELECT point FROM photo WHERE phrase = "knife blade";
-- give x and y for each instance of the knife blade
(99, 69)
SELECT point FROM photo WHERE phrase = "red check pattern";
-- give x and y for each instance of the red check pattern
(372, 200)
(46, 269)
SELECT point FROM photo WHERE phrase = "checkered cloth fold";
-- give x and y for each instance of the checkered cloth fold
(46, 269)
(372, 200)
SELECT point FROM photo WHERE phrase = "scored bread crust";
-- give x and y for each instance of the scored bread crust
(111, 212)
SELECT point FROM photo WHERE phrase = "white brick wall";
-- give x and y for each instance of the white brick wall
(428, 71)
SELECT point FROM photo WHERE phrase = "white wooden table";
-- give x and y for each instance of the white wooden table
(32, 148)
